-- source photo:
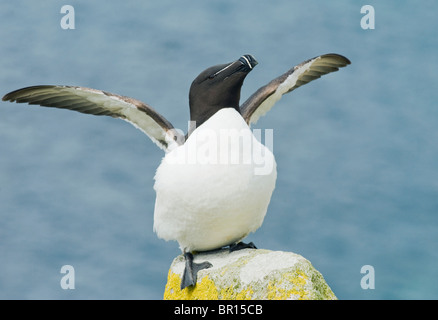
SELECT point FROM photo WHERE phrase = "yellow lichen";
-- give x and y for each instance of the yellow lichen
(204, 289)
(207, 290)
(230, 293)
(291, 286)
(300, 282)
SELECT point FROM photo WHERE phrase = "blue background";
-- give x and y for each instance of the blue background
(356, 150)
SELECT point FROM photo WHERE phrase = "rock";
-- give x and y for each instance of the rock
(249, 274)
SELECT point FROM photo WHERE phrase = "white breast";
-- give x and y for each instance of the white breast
(215, 189)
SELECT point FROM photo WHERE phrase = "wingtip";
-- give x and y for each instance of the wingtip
(9, 97)
(346, 60)
(339, 57)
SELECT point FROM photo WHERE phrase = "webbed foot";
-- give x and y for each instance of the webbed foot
(191, 269)
(241, 245)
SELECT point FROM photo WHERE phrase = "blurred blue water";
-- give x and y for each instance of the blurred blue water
(356, 150)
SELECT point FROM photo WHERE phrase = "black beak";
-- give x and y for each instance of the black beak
(248, 61)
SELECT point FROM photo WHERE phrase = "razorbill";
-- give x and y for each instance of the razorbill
(214, 184)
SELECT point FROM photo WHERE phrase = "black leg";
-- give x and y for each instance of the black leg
(241, 245)
(191, 269)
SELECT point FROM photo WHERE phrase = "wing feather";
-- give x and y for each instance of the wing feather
(97, 102)
(264, 98)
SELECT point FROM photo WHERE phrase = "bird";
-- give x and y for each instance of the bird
(214, 184)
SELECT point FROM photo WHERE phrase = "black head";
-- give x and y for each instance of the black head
(218, 87)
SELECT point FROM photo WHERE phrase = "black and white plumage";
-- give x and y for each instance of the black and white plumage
(153, 124)
(202, 202)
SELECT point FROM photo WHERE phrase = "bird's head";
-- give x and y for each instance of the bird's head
(218, 87)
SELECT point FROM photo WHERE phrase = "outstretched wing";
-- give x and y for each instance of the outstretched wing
(102, 103)
(264, 98)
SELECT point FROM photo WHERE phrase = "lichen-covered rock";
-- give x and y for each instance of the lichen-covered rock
(249, 274)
